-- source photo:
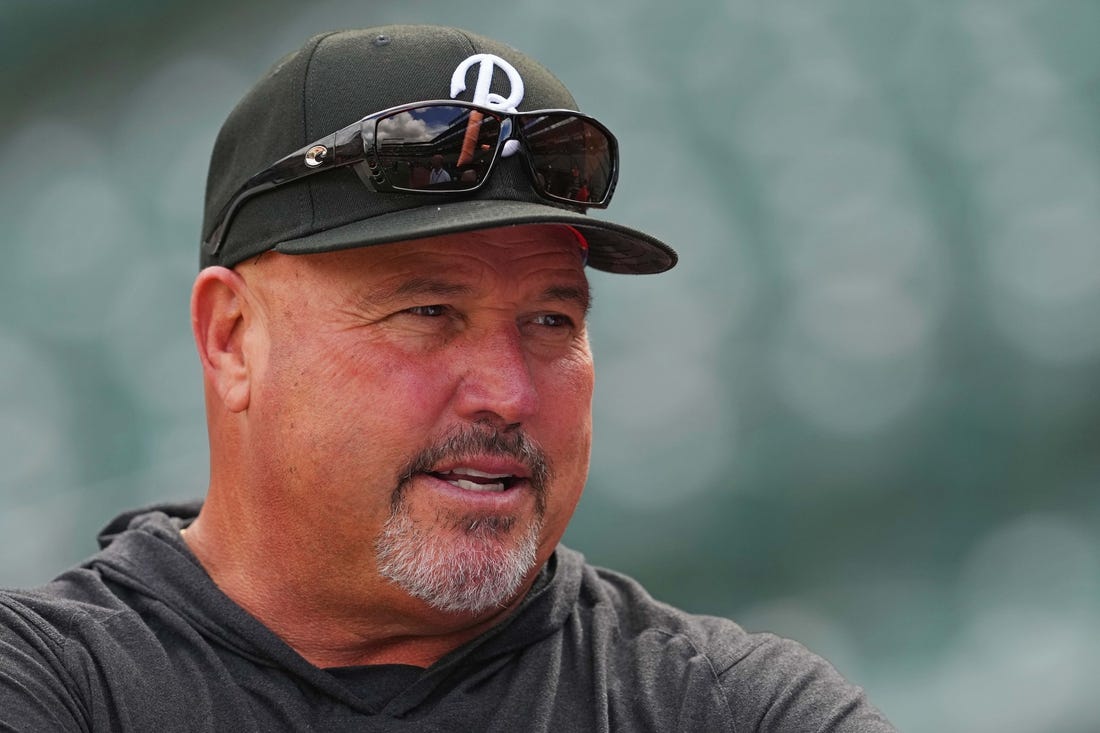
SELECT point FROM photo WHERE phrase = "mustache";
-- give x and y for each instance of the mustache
(480, 440)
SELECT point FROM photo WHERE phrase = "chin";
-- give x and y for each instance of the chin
(471, 565)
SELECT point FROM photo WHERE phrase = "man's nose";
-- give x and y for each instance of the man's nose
(496, 383)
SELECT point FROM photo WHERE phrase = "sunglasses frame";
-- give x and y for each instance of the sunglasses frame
(354, 145)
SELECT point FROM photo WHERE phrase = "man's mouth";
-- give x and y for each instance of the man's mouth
(470, 479)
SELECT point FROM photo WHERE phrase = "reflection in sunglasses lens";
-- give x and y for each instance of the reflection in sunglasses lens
(437, 147)
(571, 157)
(451, 148)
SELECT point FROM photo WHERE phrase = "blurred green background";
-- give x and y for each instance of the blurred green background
(862, 412)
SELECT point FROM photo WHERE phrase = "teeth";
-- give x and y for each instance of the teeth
(477, 474)
(471, 479)
(474, 486)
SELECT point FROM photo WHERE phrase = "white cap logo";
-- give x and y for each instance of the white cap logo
(487, 64)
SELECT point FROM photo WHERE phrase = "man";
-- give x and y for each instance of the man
(398, 388)
(438, 174)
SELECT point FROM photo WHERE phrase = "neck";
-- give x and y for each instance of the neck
(321, 612)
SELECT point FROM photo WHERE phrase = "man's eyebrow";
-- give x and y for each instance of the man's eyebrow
(414, 287)
(569, 294)
(438, 288)
(425, 285)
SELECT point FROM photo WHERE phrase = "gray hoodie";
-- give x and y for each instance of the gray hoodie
(139, 638)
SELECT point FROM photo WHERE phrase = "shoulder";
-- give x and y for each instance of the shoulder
(79, 650)
(748, 681)
(53, 614)
(622, 602)
(54, 640)
(96, 605)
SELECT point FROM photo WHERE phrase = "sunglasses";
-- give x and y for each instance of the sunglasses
(448, 147)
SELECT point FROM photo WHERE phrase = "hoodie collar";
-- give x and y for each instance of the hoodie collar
(143, 551)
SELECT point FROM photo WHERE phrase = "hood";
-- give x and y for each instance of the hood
(144, 553)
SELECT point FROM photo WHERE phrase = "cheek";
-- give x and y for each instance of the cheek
(566, 432)
(566, 400)
(359, 378)
(356, 407)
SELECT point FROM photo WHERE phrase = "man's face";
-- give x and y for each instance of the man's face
(423, 410)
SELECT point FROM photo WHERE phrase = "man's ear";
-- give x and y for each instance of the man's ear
(220, 315)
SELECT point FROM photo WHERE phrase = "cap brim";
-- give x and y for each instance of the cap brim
(611, 247)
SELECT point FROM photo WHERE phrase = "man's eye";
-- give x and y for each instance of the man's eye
(429, 311)
(553, 320)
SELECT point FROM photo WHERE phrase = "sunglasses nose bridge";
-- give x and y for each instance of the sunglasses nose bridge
(509, 136)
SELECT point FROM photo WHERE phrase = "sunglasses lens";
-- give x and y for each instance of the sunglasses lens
(436, 147)
(572, 158)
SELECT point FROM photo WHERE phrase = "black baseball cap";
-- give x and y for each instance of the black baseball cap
(340, 77)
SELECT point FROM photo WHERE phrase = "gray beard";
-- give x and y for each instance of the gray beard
(463, 563)
(457, 565)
